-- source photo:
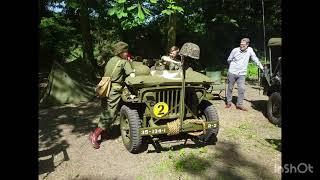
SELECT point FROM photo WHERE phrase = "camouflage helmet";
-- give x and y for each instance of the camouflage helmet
(191, 50)
(119, 47)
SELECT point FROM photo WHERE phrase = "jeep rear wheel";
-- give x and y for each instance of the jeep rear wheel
(129, 126)
(209, 113)
(274, 108)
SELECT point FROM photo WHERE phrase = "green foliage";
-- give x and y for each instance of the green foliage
(167, 11)
(132, 7)
(172, 8)
(104, 41)
(119, 10)
(146, 11)
(75, 53)
(72, 4)
(130, 14)
(121, 1)
(59, 38)
(140, 13)
(112, 11)
(225, 20)
(252, 71)
(216, 26)
(224, 72)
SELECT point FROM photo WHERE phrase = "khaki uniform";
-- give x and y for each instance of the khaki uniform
(173, 66)
(111, 104)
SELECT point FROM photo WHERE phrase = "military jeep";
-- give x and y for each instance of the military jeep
(271, 81)
(166, 103)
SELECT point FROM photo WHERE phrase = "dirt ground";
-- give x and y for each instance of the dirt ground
(248, 147)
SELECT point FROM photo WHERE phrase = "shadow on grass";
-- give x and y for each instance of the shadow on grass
(158, 148)
(224, 164)
(52, 122)
(259, 105)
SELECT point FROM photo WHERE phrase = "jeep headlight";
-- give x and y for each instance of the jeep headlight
(149, 96)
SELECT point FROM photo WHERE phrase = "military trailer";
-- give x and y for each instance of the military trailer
(271, 81)
(167, 103)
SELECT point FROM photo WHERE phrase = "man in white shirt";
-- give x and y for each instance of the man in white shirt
(238, 63)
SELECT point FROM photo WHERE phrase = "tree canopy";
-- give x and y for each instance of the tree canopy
(85, 30)
(72, 29)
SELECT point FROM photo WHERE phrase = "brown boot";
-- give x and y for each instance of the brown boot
(93, 137)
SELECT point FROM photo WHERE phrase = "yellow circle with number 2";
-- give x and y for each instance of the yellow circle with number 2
(160, 109)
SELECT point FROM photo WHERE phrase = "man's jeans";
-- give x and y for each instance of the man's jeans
(240, 79)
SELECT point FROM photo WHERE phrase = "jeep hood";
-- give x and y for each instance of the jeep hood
(166, 77)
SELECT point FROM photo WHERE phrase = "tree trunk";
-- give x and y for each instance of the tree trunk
(172, 31)
(86, 36)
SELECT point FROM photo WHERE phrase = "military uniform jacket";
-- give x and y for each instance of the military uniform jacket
(122, 69)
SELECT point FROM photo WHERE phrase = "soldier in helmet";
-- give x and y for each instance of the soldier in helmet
(120, 68)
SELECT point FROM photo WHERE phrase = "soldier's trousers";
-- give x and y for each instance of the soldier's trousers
(110, 106)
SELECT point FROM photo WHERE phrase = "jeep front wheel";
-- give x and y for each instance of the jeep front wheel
(208, 112)
(129, 126)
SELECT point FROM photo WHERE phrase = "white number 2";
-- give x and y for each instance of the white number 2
(210, 125)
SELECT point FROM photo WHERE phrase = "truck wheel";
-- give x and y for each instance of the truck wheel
(274, 108)
(129, 126)
(209, 113)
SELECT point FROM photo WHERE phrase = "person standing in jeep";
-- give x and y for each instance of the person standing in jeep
(172, 61)
(238, 63)
(119, 67)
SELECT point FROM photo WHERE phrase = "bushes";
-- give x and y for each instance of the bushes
(252, 71)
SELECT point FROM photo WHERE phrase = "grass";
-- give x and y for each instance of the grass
(193, 161)
(246, 131)
(139, 178)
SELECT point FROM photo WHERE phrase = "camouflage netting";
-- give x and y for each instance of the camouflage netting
(68, 84)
